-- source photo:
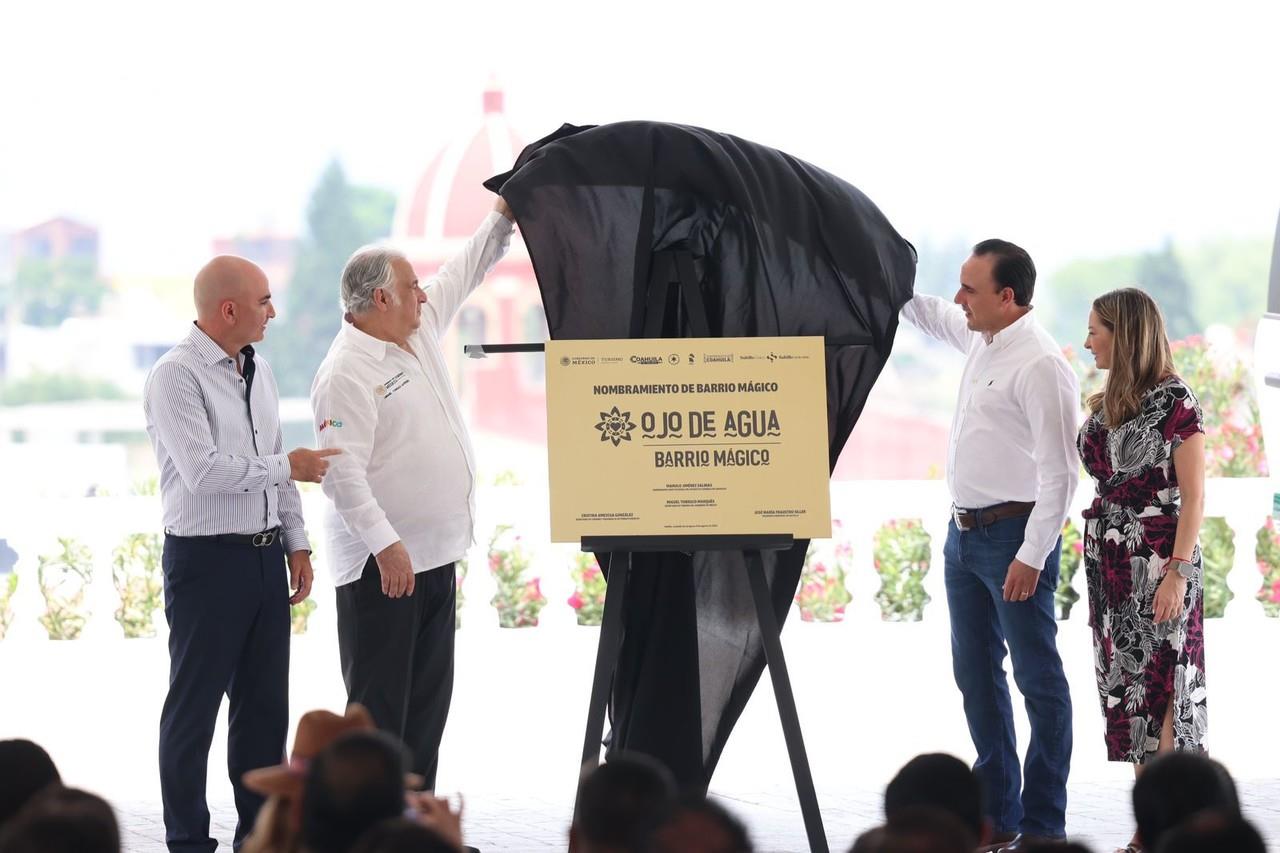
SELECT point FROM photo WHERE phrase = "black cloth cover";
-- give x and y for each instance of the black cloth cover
(780, 248)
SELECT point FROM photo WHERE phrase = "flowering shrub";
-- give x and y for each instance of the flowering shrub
(135, 572)
(588, 589)
(822, 594)
(459, 575)
(63, 578)
(8, 585)
(1233, 434)
(518, 601)
(1218, 548)
(1268, 555)
(300, 614)
(902, 559)
(1072, 551)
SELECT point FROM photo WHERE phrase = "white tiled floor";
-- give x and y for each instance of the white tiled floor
(1098, 815)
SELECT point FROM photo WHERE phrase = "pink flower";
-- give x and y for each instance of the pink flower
(575, 601)
(1078, 547)
(1226, 453)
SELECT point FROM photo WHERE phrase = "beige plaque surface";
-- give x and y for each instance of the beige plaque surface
(687, 436)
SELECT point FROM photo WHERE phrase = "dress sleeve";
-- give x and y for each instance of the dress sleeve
(1185, 418)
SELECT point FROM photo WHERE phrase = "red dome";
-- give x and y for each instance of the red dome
(448, 201)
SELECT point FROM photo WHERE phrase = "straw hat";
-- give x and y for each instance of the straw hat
(316, 730)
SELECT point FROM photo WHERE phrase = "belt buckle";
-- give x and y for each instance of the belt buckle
(955, 516)
(263, 539)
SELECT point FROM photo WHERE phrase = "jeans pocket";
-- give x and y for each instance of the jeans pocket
(1006, 531)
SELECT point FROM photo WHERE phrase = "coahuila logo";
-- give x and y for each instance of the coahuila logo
(646, 359)
(615, 426)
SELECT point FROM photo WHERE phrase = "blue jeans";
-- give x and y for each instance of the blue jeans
(1033, 799)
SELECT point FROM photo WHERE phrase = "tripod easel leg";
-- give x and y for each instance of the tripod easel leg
(606, 658)
(769, 633)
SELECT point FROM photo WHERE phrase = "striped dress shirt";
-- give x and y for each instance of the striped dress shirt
(222, 469)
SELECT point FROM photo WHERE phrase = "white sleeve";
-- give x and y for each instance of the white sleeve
(346, 417)
(461, 274)
(939, 319)
(1050, 396)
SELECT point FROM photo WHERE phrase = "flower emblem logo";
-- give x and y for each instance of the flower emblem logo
(615, 426)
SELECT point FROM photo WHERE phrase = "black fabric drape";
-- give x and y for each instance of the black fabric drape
(780, 248)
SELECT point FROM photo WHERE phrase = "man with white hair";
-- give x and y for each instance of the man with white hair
(403, 489)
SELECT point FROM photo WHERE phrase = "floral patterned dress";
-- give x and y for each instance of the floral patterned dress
(1129, 533)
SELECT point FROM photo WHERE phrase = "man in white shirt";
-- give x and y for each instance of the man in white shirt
(403, 497)
(1012, 469)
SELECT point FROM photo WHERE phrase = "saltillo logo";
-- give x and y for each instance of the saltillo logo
(329, 422)
(615, 426)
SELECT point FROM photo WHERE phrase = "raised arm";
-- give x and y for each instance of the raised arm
(939, 319)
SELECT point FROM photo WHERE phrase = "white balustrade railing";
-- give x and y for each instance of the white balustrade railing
(32, 528)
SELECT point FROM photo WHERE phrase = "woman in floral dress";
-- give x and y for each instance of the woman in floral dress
(1143, 444)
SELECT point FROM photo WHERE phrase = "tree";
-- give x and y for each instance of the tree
(1161, 275)
(341, 217)
(49, 292)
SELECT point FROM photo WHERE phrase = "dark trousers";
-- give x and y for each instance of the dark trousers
(228, 612)
(1033, 800)
(397, 658)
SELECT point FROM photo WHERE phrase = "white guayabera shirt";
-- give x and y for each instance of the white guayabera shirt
(1013, 436)
(406, 471)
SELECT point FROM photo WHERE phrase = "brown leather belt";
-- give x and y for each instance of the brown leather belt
(968, 519)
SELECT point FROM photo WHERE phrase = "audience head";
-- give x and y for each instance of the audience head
(918, 829)
(62, 820)
(401, 835)
(25, 770)
(700, 825)
(354, 783)
(943, 782)
(1176, 785)
(1213, 831)
(621, 801)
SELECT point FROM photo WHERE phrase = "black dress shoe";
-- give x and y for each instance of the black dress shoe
(1022, 842)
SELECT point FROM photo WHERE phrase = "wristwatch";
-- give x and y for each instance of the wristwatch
(1182, 567)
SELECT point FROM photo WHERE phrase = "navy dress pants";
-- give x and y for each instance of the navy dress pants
(228, 611)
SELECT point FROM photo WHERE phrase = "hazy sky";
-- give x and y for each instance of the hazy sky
(1091, 128)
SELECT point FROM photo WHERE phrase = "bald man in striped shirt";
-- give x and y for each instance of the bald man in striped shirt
(231, 515)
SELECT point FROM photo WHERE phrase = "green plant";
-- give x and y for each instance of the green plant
(901, 553)
(1218, 548)
(589, 588)
(1233, 436)
(62, 578)
(7, 588)
(822, 594)
(300, 614)
(517, 600)
(459, 575)
(135, 572)
(1268, 555)
(1065, 596)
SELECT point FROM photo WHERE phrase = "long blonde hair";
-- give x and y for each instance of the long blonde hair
(1140, 353)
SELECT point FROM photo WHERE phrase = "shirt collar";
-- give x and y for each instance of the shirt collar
(1011, 332)
(365, 342)
(206, 347)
